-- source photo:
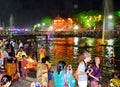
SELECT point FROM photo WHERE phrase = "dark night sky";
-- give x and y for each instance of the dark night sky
(28, 12)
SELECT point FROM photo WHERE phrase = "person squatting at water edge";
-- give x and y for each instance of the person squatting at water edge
(62, 76)
(82, 70)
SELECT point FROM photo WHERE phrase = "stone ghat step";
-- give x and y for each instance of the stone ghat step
(30, 79)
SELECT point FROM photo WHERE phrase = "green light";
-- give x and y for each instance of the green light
(89, 19)
(46, 21)
(118, 13)
(43, 24)
(90, 41)
(7, 33)
(35, 26)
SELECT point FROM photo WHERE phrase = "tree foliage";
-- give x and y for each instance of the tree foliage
(89, 19)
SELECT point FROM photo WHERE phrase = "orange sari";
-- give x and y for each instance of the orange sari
(42, 53)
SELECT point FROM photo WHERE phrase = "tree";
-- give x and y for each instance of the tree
(89, 19)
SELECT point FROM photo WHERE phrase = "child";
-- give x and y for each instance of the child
(23, 67)
(49, 67)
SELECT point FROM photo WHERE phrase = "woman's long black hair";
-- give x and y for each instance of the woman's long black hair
(60, 66)
(5, 79)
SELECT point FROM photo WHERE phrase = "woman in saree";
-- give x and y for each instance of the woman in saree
(42, 73)
(42, 52)
(11, 66)
(96, 73)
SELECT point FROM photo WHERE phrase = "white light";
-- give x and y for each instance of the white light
(76, 27)
(1, 28)
(43, 24)
(38, 25)
(76, 39)
(110, 42)
(90, 19)
(110, 17)
(51, 27)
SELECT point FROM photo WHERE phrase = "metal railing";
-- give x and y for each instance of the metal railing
(87, 33)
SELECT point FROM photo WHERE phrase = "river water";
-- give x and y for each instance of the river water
(72, 46)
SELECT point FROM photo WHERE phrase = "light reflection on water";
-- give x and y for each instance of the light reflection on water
(63, 47)
(70, 47)
(75, 47)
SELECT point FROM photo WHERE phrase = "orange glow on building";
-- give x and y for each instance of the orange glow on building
(60, 24)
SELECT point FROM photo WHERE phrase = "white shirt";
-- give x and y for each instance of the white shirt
(20, 45)
(5, 54)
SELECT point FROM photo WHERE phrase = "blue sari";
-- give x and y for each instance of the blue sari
(59, 79)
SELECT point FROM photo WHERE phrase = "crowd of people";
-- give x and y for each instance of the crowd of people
(14, 58)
